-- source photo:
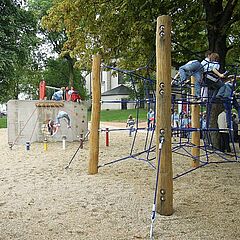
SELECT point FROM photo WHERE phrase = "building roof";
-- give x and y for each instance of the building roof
(120, 90)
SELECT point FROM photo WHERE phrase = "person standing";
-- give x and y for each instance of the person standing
(175, 122)
(150, 119)
(223, 131)
(130, 124)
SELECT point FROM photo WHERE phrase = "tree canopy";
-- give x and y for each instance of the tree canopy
(125, 30)
(17, 40)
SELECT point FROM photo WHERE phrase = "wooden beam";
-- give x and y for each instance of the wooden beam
(163, 116)
(95, 117)
(49, 104)
(195, 122)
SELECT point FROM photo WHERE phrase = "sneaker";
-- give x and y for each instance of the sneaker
(174, 82)
(69, 126)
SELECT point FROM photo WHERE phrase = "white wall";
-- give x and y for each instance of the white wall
(108, 81)
(3, 107)
(26, 122)
(115, 105)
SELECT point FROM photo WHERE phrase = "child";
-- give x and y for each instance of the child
(54, 126)
(58, 96)
(150, 118)
(130, 124)
(192, 68)
(62, 114)
(74, 96)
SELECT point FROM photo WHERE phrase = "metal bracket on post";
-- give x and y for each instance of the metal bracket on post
(161, 30)
(161, 85)
(162, 196)
(161, 138)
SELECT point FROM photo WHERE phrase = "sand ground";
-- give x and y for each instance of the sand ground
(40, 199)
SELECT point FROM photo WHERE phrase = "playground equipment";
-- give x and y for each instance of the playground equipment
(64, 142)
(45, 144)
(27, 120)
(69, 94)
(81, 140)
(190, 147)
(107, 137)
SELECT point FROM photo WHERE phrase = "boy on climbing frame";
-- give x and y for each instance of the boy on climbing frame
(63, 115)
(192, 68)
(54, 126)
(59, 95)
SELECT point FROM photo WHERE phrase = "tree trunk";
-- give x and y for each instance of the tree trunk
(71, 71)
(71, 62)
(217, 21)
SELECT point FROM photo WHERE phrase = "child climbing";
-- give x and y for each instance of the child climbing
(73, 95)
(54, 126)
(59, 95)
(63, 115)
(130, 124)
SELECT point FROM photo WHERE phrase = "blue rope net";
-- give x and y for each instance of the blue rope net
(142, 82)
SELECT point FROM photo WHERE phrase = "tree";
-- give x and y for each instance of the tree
(221, 21)
(56, 73)
(17, 40)
(55, 39)
(125, 30)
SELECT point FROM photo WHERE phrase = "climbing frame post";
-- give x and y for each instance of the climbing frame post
(163, 116)
(95, 117)
(195, 109)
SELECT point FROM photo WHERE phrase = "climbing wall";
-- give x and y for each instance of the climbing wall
(27, 120)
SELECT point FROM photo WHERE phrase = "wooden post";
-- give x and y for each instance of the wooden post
(45, 144)
(195, 109)
(163, 116)
(107, 137)
(95, 117)
(81, 141)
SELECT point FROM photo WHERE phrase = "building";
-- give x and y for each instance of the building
(117, 98)
(114, 94)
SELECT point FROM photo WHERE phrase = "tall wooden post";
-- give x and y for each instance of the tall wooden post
(163, 116)
(195, 109)
(95, 117)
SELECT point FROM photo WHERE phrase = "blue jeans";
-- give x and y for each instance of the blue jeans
(131, 130)
(56, 97)
(61, 115)
(194, 69)
(225, 91)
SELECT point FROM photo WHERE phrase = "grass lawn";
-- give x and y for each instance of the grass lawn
(121, 115)
(106, 116)
(3, 122)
